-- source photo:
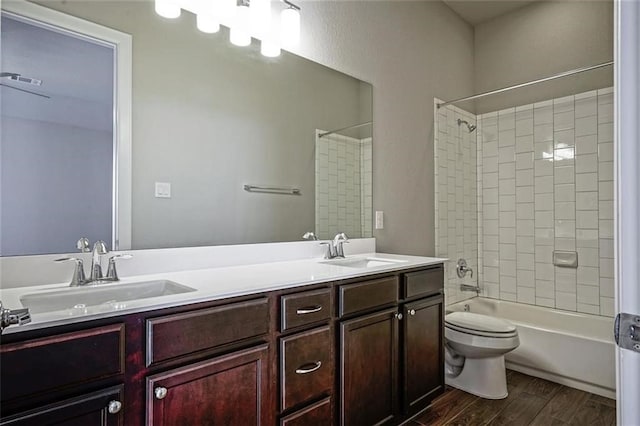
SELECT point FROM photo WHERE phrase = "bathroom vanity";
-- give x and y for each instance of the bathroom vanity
(363, 349)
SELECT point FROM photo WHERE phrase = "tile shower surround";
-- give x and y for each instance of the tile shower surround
(545, 183)
(456, 202)
(343, 186)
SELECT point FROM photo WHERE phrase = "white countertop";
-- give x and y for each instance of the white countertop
(210, 284)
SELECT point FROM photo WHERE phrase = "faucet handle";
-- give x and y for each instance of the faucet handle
(112, 274)
(330, 253)
(340, 236)
(309, 236)
(83, 245)
(78, 272)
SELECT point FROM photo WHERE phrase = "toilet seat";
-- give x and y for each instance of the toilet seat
(480, 325)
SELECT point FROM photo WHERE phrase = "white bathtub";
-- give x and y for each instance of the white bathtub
(570, 348)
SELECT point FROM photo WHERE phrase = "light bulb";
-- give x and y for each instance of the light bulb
(240, 33)
(269, 48)
(260, 17)
(167, 9)
(226, 9)
(290, 27)
(207, 24)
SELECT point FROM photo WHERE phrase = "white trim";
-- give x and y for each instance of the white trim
(627, 197)
(122, 101)
(563, 380)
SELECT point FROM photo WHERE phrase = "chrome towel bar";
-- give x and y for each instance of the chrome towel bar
(272, 189)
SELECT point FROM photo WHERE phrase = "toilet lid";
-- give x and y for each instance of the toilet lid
(477, 322)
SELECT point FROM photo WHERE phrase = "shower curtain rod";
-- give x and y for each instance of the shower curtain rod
(529, 83)
(322, 135)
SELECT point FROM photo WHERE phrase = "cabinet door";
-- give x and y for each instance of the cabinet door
(228, 390)
(102, 408)
(424, 352)
(369, 366)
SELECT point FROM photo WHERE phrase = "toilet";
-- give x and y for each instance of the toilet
(475, 346)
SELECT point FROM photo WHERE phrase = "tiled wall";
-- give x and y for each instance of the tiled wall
(546, 183)
(456, 198)
(343, 186)
(366, 186)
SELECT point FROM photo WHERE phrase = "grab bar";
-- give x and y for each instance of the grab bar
(272, 189)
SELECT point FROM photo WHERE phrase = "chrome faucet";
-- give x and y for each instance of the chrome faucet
(310, 236)
(335, 247)
(99, 249)
(13, 317)
(462, 268)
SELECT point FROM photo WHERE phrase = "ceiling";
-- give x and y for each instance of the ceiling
(76, 75)
(477, 11)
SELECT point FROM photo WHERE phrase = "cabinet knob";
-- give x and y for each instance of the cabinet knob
(412, 312)
(398, 315)
(114, 407)
(160, 392)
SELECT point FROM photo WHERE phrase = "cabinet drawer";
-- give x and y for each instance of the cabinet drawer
(319, 414)
(61, 361)
(306, 366)
(177, 335)
(421, 283)
(368, 294)
(96, 408)
(305, 308)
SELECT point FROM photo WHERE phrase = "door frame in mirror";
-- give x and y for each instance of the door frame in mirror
(122, 105)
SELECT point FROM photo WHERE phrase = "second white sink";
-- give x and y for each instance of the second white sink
(363, 262)
(100, 294)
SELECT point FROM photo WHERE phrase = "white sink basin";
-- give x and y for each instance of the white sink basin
(100, 294)
(363, 262)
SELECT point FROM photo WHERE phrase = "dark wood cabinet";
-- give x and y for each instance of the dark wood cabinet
(306, 366)
(423, 366)
(318, 414)
(392, 361)
(102, 408)
(356, 352)
(227, 390)
(368, 369)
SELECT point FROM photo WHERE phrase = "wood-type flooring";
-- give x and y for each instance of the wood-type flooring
(531, 401)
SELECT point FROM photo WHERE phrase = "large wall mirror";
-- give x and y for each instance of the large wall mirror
(209, 119)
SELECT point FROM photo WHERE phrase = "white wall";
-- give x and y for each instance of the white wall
(542, 39)
(56, 186)
(411, 52)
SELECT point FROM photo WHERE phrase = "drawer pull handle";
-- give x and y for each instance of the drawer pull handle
(309, 310)
(412, 312)
(114, 407)
(160, 392)
(309, 368)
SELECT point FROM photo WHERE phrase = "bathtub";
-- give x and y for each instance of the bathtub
(569, 348)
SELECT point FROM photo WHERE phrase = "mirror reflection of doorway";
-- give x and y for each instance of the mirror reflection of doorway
(57, 140)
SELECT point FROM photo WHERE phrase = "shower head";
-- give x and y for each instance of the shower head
(470, 127)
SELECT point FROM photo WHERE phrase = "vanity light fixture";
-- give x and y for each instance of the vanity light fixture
(240, 33)
(290, 25)
(168, 9)
(245, 18)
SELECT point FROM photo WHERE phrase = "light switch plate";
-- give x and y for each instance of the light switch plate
(163, 190)
(379, 220)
